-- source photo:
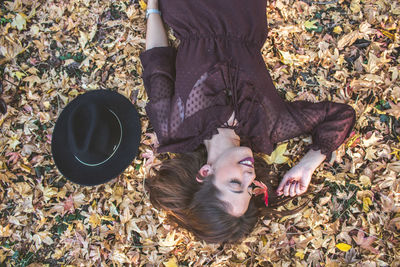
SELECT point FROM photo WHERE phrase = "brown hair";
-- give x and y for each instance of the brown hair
(196, 207)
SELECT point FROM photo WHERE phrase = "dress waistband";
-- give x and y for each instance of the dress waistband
(219, 37)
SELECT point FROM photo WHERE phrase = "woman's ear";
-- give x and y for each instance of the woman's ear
(204, 171)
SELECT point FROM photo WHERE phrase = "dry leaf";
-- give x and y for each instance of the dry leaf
(365, 243)
(19, 21)
(172, 262)
(277, 156)
(52, 51)
(343, 247)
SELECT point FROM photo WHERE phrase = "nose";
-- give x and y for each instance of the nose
(249, 176)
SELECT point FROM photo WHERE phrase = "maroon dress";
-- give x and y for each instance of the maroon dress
(217, 71)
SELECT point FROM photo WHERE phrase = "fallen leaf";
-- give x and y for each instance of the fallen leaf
(366, 203)
(365, 243)
(19, 21)
(19, 75)
(337, 30)
(310, 25)
(13, 157)
(394, 166)
(94, 220)
(172, 262)
(142, 4)
(261, 189)
(68, 205)
(343, 247)
(277, 156)
(299, 255)
(348, 39)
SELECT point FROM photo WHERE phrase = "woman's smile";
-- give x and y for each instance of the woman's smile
(249, 162)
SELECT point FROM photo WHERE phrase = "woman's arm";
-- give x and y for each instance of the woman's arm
(297, 179)
(156, 36)
(329, 124)
(158, 63)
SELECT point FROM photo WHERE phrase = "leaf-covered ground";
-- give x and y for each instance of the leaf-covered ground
(51, 51)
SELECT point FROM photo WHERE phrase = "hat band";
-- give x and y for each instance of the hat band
(115, 149)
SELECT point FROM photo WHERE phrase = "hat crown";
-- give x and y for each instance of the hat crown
(94, 133)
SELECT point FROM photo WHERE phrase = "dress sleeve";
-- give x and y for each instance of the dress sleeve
(329, 124)
(159, 80)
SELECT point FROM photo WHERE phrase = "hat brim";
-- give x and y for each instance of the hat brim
(79, 173)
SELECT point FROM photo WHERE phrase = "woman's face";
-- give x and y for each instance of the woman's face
(234, 174)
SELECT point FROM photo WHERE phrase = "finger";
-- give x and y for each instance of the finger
(298, 191)
(286, 189)
(282, 184)
(292, 189)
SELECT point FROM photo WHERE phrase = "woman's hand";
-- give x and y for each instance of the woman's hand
(296, 180)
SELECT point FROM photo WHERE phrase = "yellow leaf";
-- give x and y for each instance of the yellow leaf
(49, 192)
(25, 168)
(172, 262)
(94, 220)
(19, 21)
(299, 255)
(277, 156)
(310, 25)
(5, 231)
(290, 95)
(388, 34)
(264, 240)
(19, 75)
(107, 218)
(366, 203)
(293, 59)
(142, 4)
(343, 247)
(352, 140)
(337, 30)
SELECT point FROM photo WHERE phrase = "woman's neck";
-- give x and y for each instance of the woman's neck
(223, 140)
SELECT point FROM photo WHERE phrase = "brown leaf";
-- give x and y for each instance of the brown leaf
(69, 205)
(365, 243)
(348, 39)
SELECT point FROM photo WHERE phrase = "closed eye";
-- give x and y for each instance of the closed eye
(236, 185)
(236, 181)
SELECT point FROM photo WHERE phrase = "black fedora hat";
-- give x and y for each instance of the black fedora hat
(96, 137)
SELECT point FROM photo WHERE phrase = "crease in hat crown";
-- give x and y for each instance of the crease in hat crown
(114, 149)
(93, 133)
(96, 137)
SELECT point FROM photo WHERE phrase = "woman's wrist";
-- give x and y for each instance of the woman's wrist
(312, 159)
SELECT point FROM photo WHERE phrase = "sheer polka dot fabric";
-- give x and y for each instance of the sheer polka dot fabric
(182, 123)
